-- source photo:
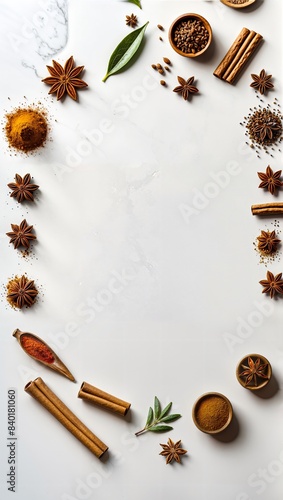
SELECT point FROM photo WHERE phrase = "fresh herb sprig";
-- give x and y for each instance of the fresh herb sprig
(125, 51)
(157, 417)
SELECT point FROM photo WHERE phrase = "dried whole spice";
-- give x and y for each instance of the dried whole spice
(132, 20)
(21, 292)
(262, 82)
(22, 188)
(212, 413)
(21, 235)
(65, 80)
(186, 87)
(172, 451)
(265, 127)
(190, 36)
(255, 369)
(270, 179)
(26, 129)
(273, 284)
(267, 242)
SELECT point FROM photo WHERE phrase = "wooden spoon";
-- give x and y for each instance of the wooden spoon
(238, 5)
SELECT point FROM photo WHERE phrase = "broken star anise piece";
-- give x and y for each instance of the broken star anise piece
(253, 370)
(21, 235)
(21, 292)
(186, 87)
(262, 82)
(22, 188)
(272, 284)
(172, 451)
(270, 179)
(65, 80)
(267, 242)
(132, 20)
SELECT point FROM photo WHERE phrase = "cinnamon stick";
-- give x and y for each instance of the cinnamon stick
(275, 208)
(41, 392)
(238, 55)
(101, 398)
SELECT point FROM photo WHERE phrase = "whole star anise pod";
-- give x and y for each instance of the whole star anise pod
(65, 79)
(266, 128)
(262, 82)
(21, 292)
(270, 179)
(22, 188)
(21, 235)
(172, 451)
(267, 242)
(186, 87)
(253, 370)
(272, 284)
(132, 20)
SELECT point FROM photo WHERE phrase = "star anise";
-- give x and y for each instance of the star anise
(172, 451)
(21, 235)
(262, 82)
(21, 292)
(22, 188)
(132, 20)
(65, 79)
(186, 87)
(270, 179)
(272, 284)
(267, 242)
(253, 370)
(266, 128)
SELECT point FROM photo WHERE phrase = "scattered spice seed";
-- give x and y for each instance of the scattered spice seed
(159, 66)
(154, 66)
(161, 71)
(160, 27)
(166, 60)
(167, 68)
(162, 82)
(161, 39)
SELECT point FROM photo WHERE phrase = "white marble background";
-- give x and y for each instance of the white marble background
(145, 261)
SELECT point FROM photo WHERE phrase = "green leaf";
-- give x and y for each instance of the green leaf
(157, 408)
(136, 2)
(125, 51)
(160, 428)
(166, 410)
(170, 418)
(149, 417)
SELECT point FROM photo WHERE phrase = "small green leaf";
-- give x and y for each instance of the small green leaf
(125, 51)
(160, 428)
(166, 410)
(170, 418)
(157, 408)
(136, 2)
(149, 417)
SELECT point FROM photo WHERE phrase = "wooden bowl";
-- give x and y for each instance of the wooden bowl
(238, 5)
(196, 407)
(261, 382)
(185, 17)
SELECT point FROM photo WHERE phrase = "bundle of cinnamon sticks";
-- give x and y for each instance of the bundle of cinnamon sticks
(41, 392)
(238, 55)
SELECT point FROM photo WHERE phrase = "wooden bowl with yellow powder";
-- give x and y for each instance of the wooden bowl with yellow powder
(212, 413)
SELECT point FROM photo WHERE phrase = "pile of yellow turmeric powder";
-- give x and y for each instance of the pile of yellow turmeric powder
(26, 129)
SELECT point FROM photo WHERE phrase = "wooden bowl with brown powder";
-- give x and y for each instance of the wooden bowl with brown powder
(212, 413)
(190, 35)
